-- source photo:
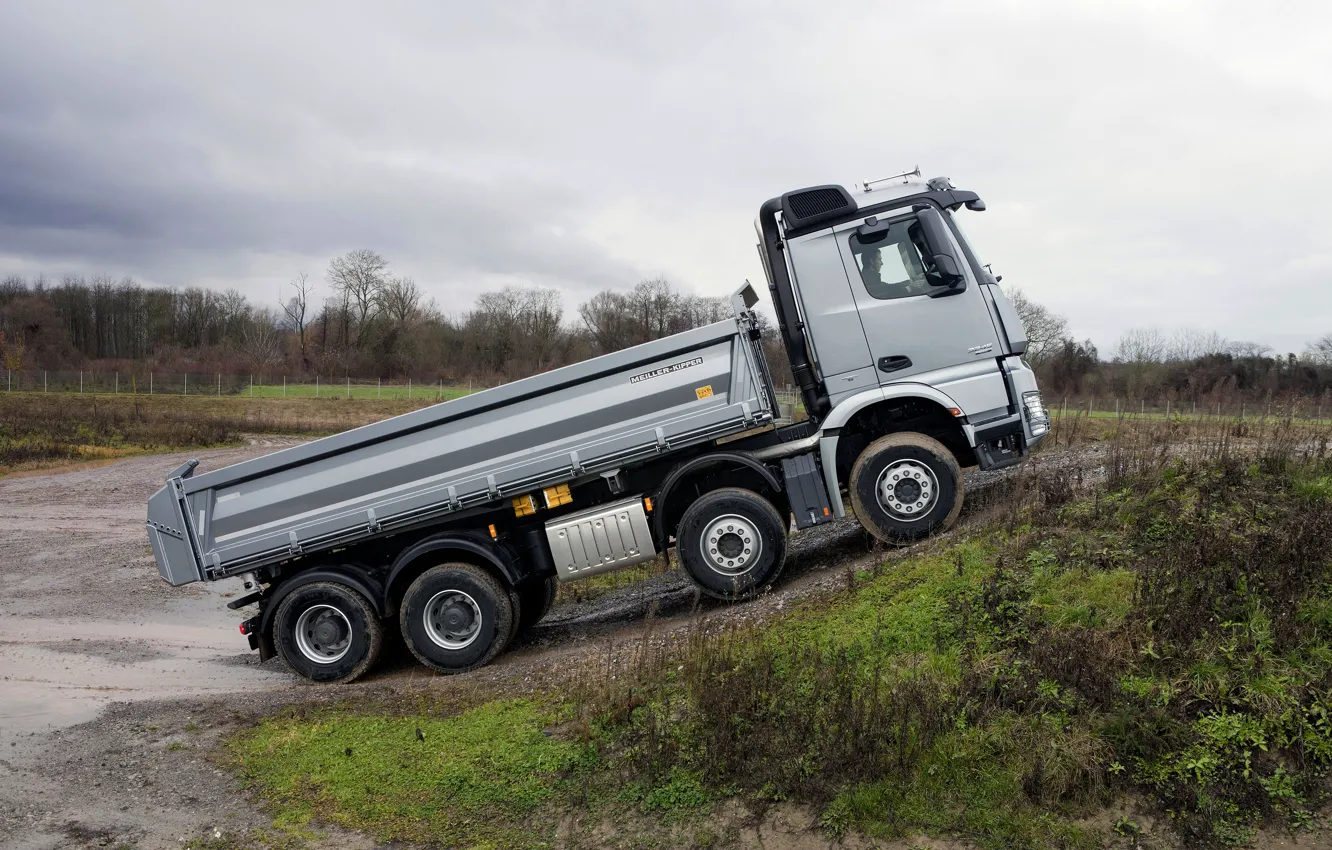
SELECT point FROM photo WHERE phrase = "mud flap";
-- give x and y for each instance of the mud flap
(805, 491)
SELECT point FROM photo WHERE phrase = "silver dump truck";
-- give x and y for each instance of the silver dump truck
(455, 522)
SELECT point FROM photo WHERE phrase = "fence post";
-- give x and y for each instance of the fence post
(379, 388)
(440, 394)
(117, 382)
(1167, 408)
(11, 380)
(409, 389)
(284, 386)
(316, 386)
(348, 386)
(80, 382)
(43, 380)
(252, 386)
(1142, 407)
(186, 391)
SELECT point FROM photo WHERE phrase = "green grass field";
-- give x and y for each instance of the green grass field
(427, 392)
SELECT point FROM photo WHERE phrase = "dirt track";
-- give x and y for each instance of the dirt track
(112, 683)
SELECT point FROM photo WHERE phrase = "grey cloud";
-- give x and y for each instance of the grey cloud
(1141, 161)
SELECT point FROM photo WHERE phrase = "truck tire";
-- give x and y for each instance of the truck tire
(327, 632)
(732, 542)
(516, 620)
(536, 599)
(905, 487)
(456, 617)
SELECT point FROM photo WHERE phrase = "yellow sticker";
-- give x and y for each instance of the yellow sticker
(704, 392)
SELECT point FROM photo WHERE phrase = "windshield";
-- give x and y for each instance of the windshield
(965, 241)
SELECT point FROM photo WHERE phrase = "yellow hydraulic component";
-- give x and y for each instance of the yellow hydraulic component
(557, 495)
(524, 506)
(647, 503)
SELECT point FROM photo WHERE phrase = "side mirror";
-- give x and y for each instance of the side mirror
(935, 232)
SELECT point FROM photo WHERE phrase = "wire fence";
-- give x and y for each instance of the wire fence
(1317, 409)
(219, 385)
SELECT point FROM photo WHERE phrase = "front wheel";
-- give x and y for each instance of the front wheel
(327, 632)
(732, 542)
(905, 487)
(456, 617)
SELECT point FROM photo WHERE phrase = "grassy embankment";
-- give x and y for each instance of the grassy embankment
(1161, 641)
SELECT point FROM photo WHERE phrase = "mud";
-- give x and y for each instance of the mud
(113, 684)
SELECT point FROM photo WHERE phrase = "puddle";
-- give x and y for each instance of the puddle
(59, 672)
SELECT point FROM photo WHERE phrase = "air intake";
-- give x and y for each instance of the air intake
(810, 207)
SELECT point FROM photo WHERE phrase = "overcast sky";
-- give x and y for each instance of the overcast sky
(1143, 162)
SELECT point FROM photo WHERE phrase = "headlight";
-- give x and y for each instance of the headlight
(1038, 419)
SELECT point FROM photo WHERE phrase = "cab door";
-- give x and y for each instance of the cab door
(920, 328)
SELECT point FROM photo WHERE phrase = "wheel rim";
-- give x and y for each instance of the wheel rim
(452, 619)
(323, 634)
(731, 545)
(907, 489)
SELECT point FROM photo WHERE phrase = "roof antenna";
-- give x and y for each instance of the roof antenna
(915, 172)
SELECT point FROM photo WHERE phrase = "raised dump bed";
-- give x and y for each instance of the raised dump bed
(583, 419)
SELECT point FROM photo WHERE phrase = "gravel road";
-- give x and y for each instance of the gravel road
(113, 685)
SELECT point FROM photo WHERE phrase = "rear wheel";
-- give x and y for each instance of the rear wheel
(905, 487)
(456, 617)
(732, 542)
(327, 632)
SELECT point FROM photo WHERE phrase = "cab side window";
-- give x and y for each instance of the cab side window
(890, 263)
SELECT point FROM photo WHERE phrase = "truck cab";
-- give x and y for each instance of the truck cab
(894, 326)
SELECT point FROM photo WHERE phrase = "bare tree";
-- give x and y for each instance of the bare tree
(1320, 350)
(539, 319)
(1190, 344)
(1046, 330)
(1141, 345)
(400, 301)
(654, 303)
(235, 311)
(606, 317)
(699, 310)
(359, 278)
(297, 310)
(261, 341)
(1247, 349)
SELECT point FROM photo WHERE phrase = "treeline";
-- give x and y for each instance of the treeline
(366, 322)
(363, 321)
(1185, 364)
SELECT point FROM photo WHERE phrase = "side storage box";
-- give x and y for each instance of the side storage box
(605, 538)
